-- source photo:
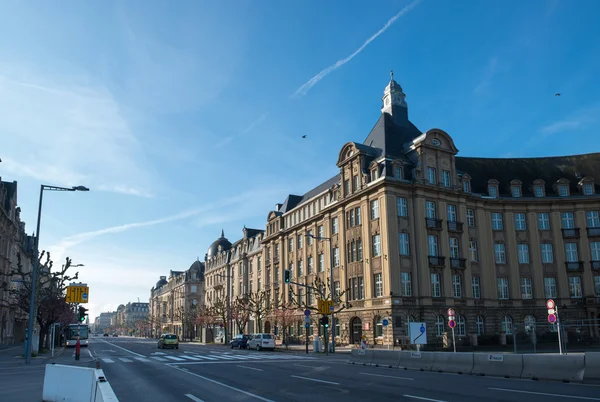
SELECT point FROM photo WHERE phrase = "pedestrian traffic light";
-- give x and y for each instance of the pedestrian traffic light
(82, 313)
(286, 276)
(325, 321)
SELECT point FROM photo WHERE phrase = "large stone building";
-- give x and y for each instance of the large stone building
(416, 229)
(173, 300)
(14, 241)
(131, 319)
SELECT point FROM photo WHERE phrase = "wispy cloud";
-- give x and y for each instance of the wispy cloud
(580, 119)
(227, 140)
(303, 90)
(491, 69)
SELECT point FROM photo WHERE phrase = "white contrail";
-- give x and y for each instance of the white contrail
(303, 90)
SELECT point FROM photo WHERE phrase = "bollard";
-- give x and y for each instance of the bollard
(77, 349)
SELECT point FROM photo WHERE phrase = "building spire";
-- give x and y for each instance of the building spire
(222, 233)
(391, 75)
(394, 101)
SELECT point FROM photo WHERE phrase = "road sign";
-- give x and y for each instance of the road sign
(550, 304)
(385, 322)
(77, 294)
(551, 318)
(451, 311)
(551, 311)
(307, 319)
(325, 306)
(452, 323)
(307, 312)
(418, 333)
(306, 325)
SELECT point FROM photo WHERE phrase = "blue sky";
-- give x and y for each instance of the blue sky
(185, 119)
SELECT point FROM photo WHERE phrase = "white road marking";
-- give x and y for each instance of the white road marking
(232, 362)
(126, 360)
(90, 352)
(179, 359)
(142, 359)
(160, 359)
(423, 399)
(126, 350)
(249, 368)
(587, 398)
(303, 365)
(222, 384)
(190, 357)
(107, 360)
(389, 376)
(193, 398)
(315, 380)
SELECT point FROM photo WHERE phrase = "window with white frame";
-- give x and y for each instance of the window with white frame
(291, 269)
(398, 172)
(439, 325)
(547, 254)
(354, 183)
(309, 238)
(575, 287)
(335, 226)
(454, 248)
(563, 190)
(291, 244)
(571, 252)
(538, 191)
(310, 265)
(473, 253)
(597, 285)
(520, 222)
(593, 220)
(470, 218)
(503, 293)
(475, 287)
(466, 186)
(321, 232)
(300, 268)
(507, 326)
(588, 189)
(321, 262)
(378, 285)
(497, 221)
(480, 325)
(300, 241)
(523, 253)
(499, 253)
(336, 257)
(431, 175)
(544, 221)
(456, 286)
(515, 191)
(550, 288)
(404, 243)
(493, 190)
(451, 213)
(595, 249)
(568, 220)
(460, 326)
(374, 209)
(529, 324)
(405, 278)
(526, 289)
(446, 178)
(376, 245)
(436, 286)
(401, 206)
(430, 209)
(433, 245)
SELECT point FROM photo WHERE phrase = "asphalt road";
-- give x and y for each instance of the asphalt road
(138, 371)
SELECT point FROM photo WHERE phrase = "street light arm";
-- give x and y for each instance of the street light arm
(317, 237)
(58, 188)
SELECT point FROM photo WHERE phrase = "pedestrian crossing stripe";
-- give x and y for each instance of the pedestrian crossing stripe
(205, 358)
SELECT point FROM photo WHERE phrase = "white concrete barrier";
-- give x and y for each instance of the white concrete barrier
(386, 358)
(356, 357)
(554, 367)
(417, 360)
(104, 392)
(461, 363)
(592, 368)
(497, 364)
(68, 384)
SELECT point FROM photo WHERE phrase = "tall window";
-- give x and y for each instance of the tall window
(291, 244)
(310, 265)
(401, 206)
(544, 221)
(593, 220)
(538, 191)
(480, 325)
(404, 243)
(335, 227)
(446, 178)
(353, 217)
(347, 186)
(436, 287)
(547, 255)
(430, 209)
(460, 326)
(575, 287)
(374, 209)
(470, 218)
(475, 287)
(454, 248)
(321, 262)
(571, 252)
(497, 221)
(439, 325)
(406, 279)
(588, 189)
(523, 252)
(398, 172)
(300, 241)
(499, 253)
(433, 245)
(503, 293)
(529, 324)
(520, 223)
(378, 285)
(466, 186)
(507, 326)
(336, 257)
(376, 245)
(309, 238)
(456, 286)
(320, 231)
(300, 268)
(493, 191)
(515, 191)
(550, 287)
(595, 249)
(451, 213)
(354, 183)
(568, 221)
(597, 285)
(563, 190)
(473, 253)
(431, 175)
(526, 289)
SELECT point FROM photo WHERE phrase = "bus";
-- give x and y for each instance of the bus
(73, 330)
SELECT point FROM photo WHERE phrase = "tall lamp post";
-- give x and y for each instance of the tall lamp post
(32, 309)
(331, 290)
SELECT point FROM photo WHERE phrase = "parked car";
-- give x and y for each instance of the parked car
(261, 341)
(106, 334)
(240, 341)
(168, 341)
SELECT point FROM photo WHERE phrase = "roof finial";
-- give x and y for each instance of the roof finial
(391, 75)
(222, 233)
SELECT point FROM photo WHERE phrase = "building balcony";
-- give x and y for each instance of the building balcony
(455, 226)
(574, 265)
(570, 233)
(432, 223)
(436, 261)
(458, 263)
(595, 264)
(593, 232)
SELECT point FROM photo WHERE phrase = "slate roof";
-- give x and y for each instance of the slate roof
(527, 170)
(389, 135)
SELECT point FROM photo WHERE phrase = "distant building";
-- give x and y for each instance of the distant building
(104, 321)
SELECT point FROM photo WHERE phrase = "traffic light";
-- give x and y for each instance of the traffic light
(325, 321)
(82, 313)
(286, 276)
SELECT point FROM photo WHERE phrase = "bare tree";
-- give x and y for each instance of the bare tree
(286, 315)
(259, 306)
(219, 307)
(240, 313)
(188, 320)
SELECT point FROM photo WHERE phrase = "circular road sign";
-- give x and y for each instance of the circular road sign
(551, 318)
(84, 296)
(221, 325)
(550, 304)
(450, 311)
(385, 322)
(452, 324)
(307, 312)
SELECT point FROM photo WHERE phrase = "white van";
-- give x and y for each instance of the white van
(261, 341)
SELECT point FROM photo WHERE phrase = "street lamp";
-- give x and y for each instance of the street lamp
(331, 290)
(35, 265)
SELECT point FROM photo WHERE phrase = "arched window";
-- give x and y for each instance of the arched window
(507, 326)
(439, 325)
(378, 327)
(480, 324)
(529, 324)
(461, 328)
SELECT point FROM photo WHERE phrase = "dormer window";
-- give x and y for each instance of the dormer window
(435, 142)
(586, 186)
(563, 190)
(538, 191)
(398, 174)
(493, 188)
(466, 186)
(373, 174)
(515, 188)
(446, 178)
(431, 175)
